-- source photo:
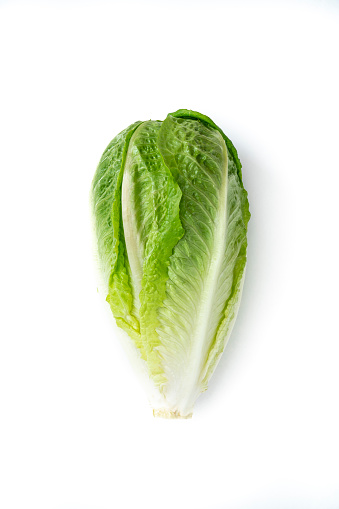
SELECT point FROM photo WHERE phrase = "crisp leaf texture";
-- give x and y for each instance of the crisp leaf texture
(150, 210)
(106, 205)
(171, 218)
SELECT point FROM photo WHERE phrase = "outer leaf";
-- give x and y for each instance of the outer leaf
(150, 210)
(106, 206)
(205, 264)
(238, 217)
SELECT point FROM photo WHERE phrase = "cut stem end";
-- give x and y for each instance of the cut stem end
(170, 414)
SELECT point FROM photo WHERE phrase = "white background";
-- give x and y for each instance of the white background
(76, 428)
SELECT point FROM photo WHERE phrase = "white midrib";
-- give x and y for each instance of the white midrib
(134, 245)
(199, 348)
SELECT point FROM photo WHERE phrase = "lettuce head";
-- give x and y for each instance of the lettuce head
(170, 214)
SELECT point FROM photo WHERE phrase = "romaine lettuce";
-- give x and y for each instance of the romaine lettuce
(171, 214)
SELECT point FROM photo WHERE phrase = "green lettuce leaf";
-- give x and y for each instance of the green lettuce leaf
(106, 208)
